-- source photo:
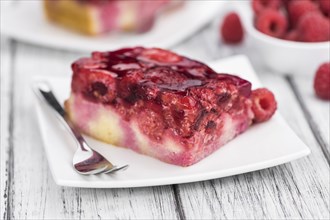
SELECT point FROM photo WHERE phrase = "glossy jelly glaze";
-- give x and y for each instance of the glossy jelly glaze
(176, 109)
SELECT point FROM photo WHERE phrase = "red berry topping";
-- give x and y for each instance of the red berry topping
(299, 8)
(260, 5)
(263, 104)
(325, 7)
(95, 84)
(180, 112)
(314, 27)
(286, 2)
(160, 55)
(231, 29)
(272, 23)
(292, 35)
(322, 81)
(152, 122)
(163, 91)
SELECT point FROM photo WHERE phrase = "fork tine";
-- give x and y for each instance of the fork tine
(104, 170)
(93, 172)
(115, 169)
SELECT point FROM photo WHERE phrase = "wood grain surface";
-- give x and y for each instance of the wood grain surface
(6, 126)
(296, 190)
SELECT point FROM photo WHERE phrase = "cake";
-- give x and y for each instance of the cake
(94, 17)
(161, 104)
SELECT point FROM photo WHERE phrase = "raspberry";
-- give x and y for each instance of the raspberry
(97, 86)
(231, 29)
(127, 88)
(322, 81)
(286, 2)
(160, 55)
(292, 35)
(325, 7)
(272, 23)
(260, 5)
(263, 104)
(299, 8)
(151, 122)
(180, 112)
(314, 27)
(214, 96)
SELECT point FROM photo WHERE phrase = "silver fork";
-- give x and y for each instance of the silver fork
(85, 160)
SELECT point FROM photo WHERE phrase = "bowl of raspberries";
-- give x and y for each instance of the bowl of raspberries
(290, 36)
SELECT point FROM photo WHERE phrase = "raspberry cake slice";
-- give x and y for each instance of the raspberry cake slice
(161, 104)
(100, 16)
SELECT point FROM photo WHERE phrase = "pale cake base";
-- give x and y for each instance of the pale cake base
(104, 123)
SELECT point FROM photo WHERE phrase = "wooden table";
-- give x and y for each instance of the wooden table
(297, 190)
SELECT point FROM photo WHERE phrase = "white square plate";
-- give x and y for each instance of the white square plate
(261, 146)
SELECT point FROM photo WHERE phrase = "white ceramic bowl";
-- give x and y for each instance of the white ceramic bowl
(282, 56)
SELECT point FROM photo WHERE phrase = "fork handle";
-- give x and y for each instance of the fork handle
(44, 92)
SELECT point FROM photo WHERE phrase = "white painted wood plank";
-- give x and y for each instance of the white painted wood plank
(35, 195)
(317, 110)
(5, 121)
(297, 190)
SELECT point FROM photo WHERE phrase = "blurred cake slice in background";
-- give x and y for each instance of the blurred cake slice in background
(93, 17)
